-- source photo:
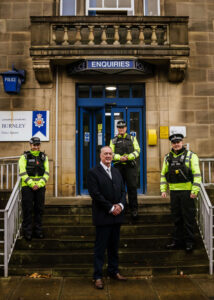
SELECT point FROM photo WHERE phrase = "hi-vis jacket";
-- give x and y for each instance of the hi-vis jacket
(27, 179)
(124, 145)
(191, 162)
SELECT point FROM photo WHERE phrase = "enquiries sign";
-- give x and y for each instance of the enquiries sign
(111, 66)
(22, 125)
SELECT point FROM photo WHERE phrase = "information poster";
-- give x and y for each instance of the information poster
(22, 125)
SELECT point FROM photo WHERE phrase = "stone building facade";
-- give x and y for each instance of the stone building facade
(178, 45)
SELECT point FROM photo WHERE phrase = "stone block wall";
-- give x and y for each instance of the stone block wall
(190, 103)
(14, 49)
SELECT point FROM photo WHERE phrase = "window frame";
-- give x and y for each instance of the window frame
(61, 8)
(130, 11)
(145, 3)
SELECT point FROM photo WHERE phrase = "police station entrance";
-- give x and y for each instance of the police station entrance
(99, 107)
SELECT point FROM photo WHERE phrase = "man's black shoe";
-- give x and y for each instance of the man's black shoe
(172, 246)
(28, 237)
(134, 214)
(189, 247)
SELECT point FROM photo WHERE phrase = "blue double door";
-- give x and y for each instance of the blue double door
(96, 126)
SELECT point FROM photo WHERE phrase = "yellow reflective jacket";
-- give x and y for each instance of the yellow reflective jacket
(31, 181)
(131, 156)
(192, 162)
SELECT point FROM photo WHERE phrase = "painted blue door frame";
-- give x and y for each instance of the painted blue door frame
(93, 115)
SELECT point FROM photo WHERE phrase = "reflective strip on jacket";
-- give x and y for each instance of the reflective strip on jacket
(191, 161)
(131, 156)
(31, 181)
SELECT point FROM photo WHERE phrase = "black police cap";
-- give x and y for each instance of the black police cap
(121, 124)
(35, 140)
(176, 137)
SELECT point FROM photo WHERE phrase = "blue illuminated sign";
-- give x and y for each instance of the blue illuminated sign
(110, 64)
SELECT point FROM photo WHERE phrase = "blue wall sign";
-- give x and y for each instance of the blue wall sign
(110, 64)
(13, 80)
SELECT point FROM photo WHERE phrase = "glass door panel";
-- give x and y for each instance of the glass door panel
(85, 146)
(98, 134)
(92, 138)
(134, 127)
(116, 115)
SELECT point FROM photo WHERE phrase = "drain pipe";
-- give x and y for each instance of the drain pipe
(56, 134)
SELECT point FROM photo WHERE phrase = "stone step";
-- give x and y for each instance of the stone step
(87, 210)
(87, 219)
(87, 242)
(64, 232)
(77, 258)
(129, 270)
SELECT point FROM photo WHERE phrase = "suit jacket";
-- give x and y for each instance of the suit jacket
(105, 192)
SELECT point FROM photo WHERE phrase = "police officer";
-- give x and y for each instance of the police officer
(34, 172)
(182, 173)
(125, 150)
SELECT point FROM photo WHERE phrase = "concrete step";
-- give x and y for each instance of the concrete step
(77, 258)
(87, 242)
(129, 270)
(87, 230)
(144, 218)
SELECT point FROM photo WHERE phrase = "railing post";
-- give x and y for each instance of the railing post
(211, 241)
(65, 36)
(5, 244)
(91, 35)
(116, 35)
(78, 35)
(128, 36)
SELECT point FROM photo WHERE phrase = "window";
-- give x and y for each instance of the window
(68, 8)
(110, 5)
(152, 7)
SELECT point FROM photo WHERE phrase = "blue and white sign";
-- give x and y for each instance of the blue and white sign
(86, 136)
(22, 125)
(110, 64)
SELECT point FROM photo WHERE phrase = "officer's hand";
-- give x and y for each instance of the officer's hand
(124, 158)
(193, 196)
(163, 195)
(36, 187)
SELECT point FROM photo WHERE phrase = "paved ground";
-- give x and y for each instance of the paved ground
(148, 288)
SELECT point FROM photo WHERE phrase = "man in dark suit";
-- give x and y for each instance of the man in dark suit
(106, 188)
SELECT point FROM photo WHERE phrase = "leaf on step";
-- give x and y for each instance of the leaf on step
(36, 275)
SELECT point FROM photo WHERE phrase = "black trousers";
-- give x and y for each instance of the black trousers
(129, 175)
(183, 214)
(107, 238)
(32, 209)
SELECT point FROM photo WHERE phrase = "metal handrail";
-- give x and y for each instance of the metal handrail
(205, 223)
(9, 172)
(12, 224)
(206, 168)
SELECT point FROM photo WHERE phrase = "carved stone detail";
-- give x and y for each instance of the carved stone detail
(43, 72)
(177, 70)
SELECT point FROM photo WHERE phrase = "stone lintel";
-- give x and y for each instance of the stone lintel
(177, 70)
(43, 70)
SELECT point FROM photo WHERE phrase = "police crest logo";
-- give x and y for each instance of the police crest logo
(39, 121)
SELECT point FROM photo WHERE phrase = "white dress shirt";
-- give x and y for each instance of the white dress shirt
(108, 171)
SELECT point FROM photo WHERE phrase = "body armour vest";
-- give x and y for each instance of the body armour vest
(178, 171)
(123, 145)
(35, 164)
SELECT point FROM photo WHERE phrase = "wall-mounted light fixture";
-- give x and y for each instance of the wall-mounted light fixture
(13, 80)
